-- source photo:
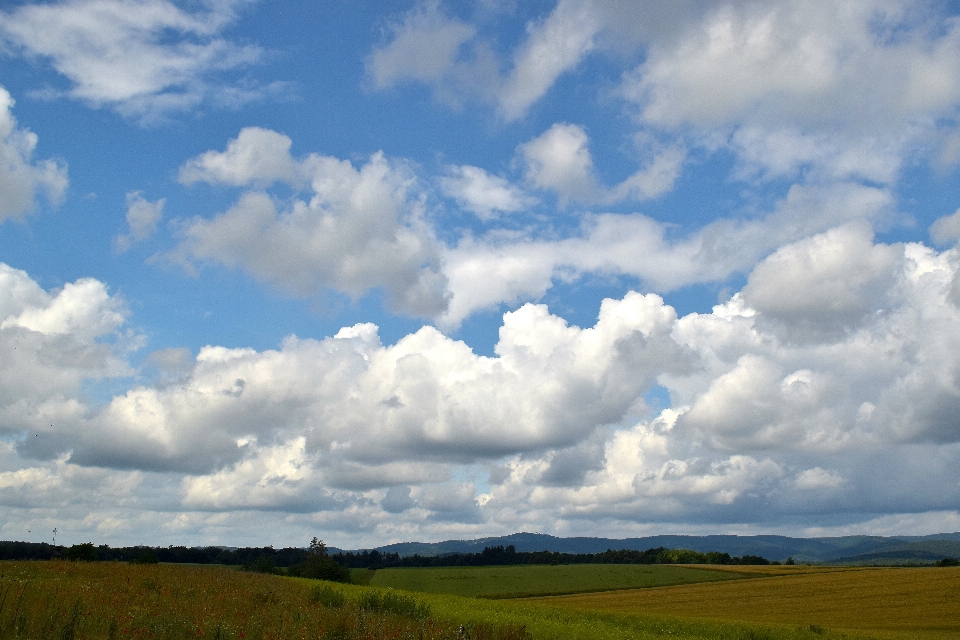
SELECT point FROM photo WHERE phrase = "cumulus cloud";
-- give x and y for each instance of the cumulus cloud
(560, 160)
(838, 92)
(21, 178)
(361, 228)
(823, 286)
(425, 47)
(485, 195)
(486, 271)
(427, 398)
(429, 47)
(50, 345)
(143, 59)
(347, 434)
(142, 219)
(829, 91)
(754, 411)
(256, 156)
(553, 46)
(844, 387)
(781, 60)
(946, 230)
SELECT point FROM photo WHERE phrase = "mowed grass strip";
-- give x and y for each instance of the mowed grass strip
(892, 602)
(518, 581)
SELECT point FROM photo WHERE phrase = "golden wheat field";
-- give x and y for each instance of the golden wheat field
(882, 602)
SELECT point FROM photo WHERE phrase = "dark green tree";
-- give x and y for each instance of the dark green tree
(319, 566)
(85, 552)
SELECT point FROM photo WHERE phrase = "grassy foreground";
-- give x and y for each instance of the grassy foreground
(113, 601)
(519, 581)
(880, 602)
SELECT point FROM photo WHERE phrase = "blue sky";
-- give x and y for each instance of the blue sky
(425, 270)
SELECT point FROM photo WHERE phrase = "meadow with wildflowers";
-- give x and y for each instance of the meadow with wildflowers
(60, 600)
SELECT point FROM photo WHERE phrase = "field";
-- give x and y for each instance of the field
(525, 580)
(114, 601)
(76, 601)
(882, 602)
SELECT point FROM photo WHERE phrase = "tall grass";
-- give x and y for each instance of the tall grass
(76, 601)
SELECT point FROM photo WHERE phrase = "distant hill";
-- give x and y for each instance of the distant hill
(911, 552)
(836, 549)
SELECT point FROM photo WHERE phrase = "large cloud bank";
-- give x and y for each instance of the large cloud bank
(788, 400)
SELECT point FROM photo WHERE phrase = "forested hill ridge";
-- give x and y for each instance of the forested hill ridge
(528, 548)
(848, 549)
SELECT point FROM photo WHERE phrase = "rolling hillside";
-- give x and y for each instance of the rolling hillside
(844, 548)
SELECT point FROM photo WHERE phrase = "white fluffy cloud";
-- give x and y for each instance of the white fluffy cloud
(425, 47)
(874, 369)
(812, 65)
(823, 286)
(560, 160)
(356, 402)
(20, 177)
(840, 423)
(256, 156)
(142, 219)
(50, 344)
(772, 412)
(484, 272)
(946, 230)
(840, 90)
(485, 195)
(430, 47)
(553, 46)
(142, 58)
(360, 229)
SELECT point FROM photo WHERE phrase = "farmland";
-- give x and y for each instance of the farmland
(524, 581)
(79, 600)
(881, 602)
(76, 600)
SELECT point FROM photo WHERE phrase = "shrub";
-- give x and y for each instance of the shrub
(263, 564)
(394, 603)
(948, 562)
(328, 597)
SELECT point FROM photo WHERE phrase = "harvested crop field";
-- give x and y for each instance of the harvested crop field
(891, 602)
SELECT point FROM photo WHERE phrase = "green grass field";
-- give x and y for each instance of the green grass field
(537, 580)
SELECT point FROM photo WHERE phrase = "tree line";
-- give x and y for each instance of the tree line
(267, 558)
(509, 555)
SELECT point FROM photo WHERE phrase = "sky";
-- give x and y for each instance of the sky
(425, 270)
